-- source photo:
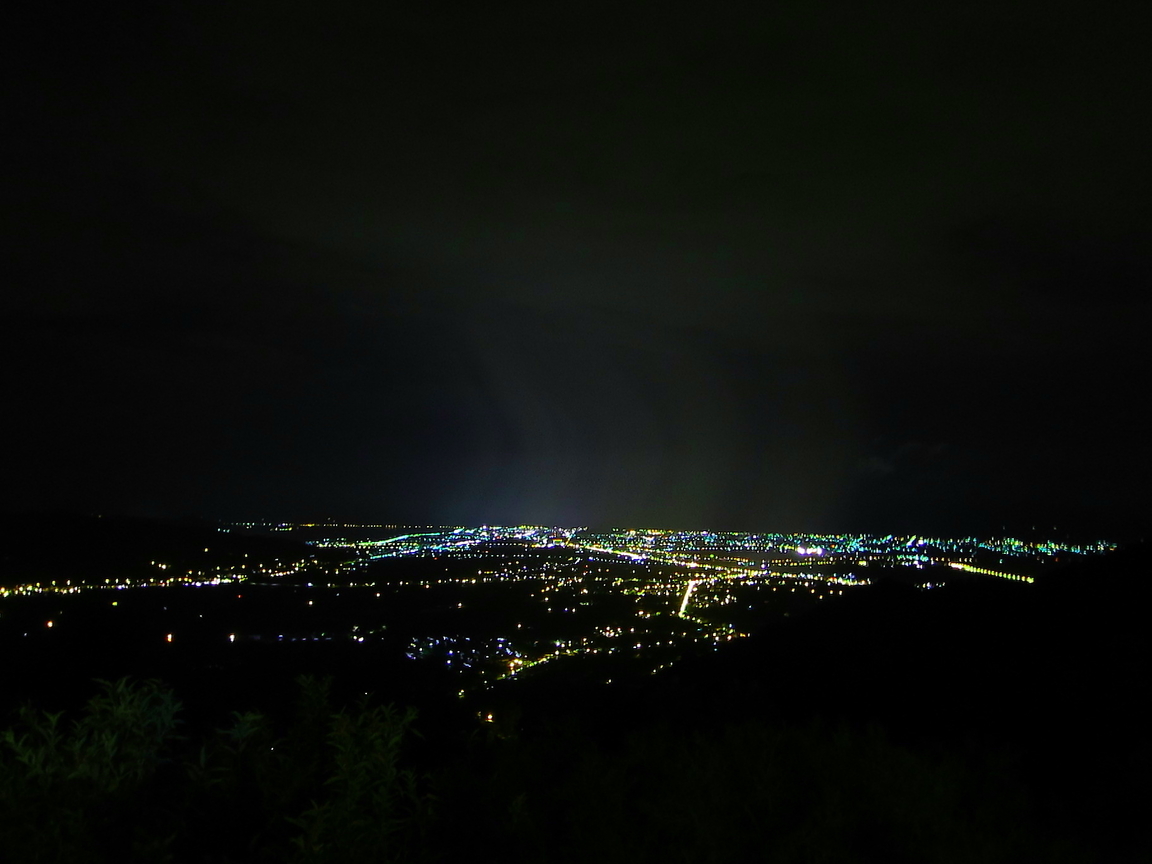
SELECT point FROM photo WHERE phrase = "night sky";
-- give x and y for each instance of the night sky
(787, 266)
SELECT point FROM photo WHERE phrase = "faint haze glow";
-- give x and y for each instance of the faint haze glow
(791, 267)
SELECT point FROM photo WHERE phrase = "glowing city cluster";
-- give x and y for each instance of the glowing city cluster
(489, 603)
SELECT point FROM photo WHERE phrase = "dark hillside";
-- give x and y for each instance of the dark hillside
(1053, 677)
(981, 720)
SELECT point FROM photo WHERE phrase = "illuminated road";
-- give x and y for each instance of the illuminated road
(968, 568)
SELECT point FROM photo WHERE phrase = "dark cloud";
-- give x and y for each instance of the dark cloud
(1062, 262)
(580, 263)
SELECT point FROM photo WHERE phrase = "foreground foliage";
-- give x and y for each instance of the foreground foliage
(121, 783)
